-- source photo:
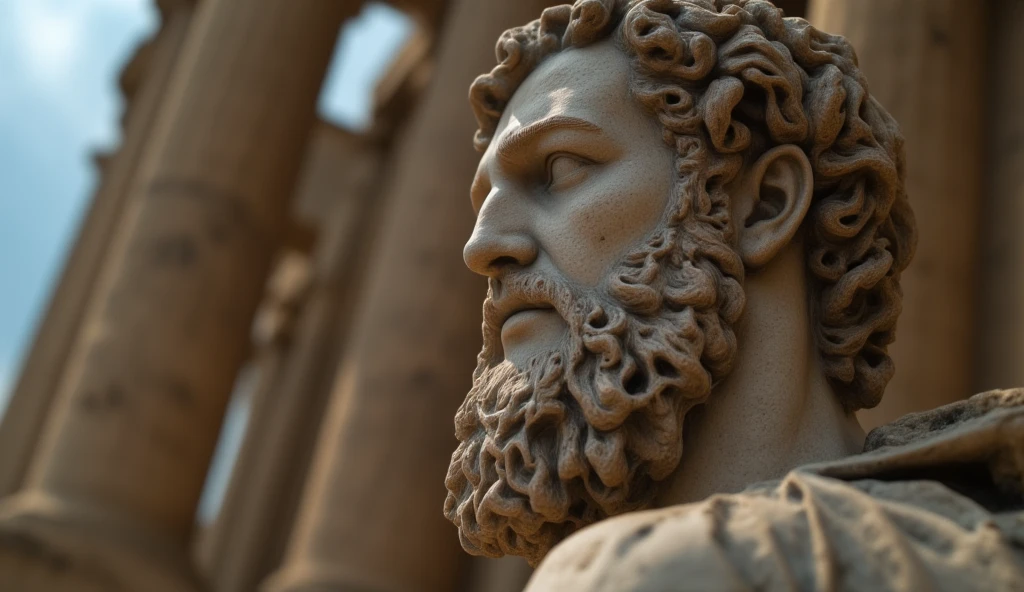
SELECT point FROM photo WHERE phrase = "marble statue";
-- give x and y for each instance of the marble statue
(692, 218)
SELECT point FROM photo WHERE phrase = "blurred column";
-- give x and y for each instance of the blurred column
(1001, 327)
(143, 84)
(340, 193)
(924, 61)
(371, 517)
(506, 574)
(110, 499)
(247, 539)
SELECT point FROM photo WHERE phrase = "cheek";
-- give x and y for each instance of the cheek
(611, 215)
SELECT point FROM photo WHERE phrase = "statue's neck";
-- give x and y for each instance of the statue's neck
(775, 410)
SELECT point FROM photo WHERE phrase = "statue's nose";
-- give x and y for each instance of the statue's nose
(494, 248)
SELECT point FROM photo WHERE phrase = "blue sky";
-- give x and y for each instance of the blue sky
(59, 104)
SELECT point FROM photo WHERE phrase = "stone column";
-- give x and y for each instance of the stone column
(371, 517)
(1001, 324)
(110, 499)
(248, 537)
(507, 574)
(340, 195)
(924, 61)
(144, 84)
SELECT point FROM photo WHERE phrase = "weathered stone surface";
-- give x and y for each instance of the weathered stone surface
(643, 289)
(912, 513)
(693, 217)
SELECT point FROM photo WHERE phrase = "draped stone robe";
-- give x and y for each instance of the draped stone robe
(935, 502)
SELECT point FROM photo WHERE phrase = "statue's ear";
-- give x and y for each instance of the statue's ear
(777, 196)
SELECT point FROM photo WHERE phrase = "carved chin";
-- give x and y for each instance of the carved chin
(582, 434)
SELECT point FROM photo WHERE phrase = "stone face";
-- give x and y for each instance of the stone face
(706, 219)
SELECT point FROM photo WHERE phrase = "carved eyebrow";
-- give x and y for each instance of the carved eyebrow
(514, 141)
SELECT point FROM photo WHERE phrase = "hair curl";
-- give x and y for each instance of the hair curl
(728, 79)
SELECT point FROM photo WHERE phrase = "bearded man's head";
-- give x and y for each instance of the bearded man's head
(623, 125)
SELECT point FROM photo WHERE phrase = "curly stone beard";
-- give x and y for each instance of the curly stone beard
(587, 431)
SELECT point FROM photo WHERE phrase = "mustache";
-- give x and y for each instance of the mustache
(521, 290)
(524, 289)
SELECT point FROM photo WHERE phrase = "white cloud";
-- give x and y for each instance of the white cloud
(65, 55)
(50, 35)
(53, 37)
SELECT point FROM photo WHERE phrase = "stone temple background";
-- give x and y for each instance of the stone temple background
(316, 447)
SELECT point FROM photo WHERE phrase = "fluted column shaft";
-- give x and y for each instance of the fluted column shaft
(118, 475)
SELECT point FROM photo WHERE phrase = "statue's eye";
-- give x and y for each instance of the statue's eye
(564, 171)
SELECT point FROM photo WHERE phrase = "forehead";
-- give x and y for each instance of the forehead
(590, 83)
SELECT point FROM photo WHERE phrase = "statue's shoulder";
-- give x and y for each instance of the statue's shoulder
(960, 422)
(936, 502)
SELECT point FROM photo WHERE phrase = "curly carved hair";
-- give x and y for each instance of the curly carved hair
(728, 79)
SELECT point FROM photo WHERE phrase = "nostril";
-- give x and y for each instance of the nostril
(504, 261)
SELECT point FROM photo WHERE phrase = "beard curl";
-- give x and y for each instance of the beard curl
(586, 432)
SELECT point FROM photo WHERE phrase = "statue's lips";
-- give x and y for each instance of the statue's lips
(518, 322)
(521, 318)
